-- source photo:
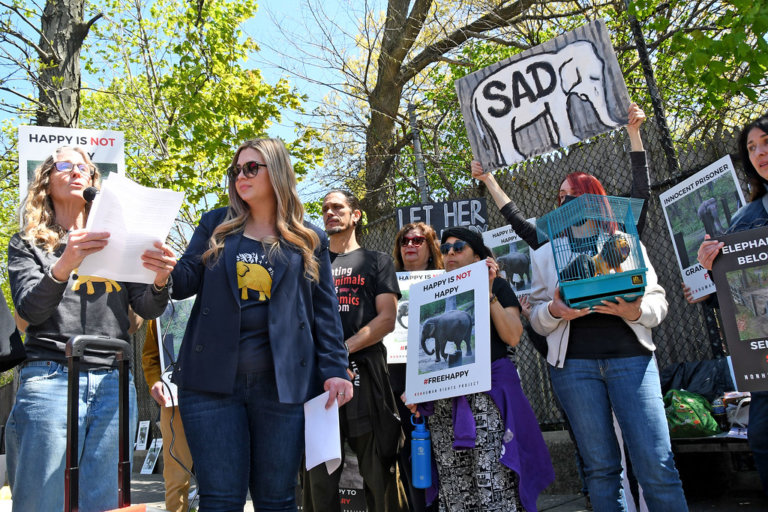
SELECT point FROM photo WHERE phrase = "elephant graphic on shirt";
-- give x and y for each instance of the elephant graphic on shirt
(542, 102)
(254, 277)
(455, 326)
(88, 281)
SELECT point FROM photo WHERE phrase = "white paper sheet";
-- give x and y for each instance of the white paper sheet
(322, 437)
(135, 217)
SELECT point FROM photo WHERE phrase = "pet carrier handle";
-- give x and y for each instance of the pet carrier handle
(77, 344)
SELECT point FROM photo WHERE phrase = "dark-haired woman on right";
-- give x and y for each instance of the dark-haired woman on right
(753, 149)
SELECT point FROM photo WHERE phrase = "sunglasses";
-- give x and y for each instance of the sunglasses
(416, 241)
(457, 247)
(68, 167)
(249, 170)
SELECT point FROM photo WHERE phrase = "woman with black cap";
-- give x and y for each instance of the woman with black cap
(494, 472)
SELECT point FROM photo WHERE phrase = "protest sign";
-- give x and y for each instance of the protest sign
(741, 276)
(469, 213)
(701, 205)
(449, 337)
(567, 89)
(170, 332)
(397, 341)
(106, 148)
(513, 256)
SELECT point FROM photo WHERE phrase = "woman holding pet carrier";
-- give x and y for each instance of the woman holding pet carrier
(57, 304)
(601, 360)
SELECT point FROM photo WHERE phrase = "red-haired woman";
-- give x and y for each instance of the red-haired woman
(601, 362)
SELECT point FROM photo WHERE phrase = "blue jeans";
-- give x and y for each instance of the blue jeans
(244, 440)
(588, 389)
(36, 438)
(758, 434)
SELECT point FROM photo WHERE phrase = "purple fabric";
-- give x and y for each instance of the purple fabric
(464, 431)
(524, 450)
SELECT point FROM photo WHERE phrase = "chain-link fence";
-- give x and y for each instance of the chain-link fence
(534, 184)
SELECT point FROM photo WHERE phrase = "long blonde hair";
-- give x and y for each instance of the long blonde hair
(38, 215)
(290, 211)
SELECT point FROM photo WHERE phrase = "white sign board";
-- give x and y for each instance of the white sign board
(513, 256)
(449, 335)
(702, 204)
(396, 342)
(106, 149)
(567, 89)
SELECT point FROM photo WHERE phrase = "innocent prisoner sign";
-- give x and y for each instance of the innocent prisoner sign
(701, 205)
(469, 213)
(741, 275)
(449, 337)
(106, 149)
(560, 92)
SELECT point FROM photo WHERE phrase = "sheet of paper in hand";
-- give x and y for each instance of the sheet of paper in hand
(547, 97)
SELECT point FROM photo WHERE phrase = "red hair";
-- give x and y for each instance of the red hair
(583, 183)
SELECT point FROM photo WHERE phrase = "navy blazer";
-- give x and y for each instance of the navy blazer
(305, 332)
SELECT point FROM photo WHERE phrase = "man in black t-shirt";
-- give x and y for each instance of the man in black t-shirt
(367, 289)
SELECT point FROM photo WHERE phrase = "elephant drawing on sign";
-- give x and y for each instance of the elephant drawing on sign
(455, 326)
(516, 263)
(402, 311)
(542, 102)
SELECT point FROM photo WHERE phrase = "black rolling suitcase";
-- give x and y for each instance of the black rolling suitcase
(74, 351)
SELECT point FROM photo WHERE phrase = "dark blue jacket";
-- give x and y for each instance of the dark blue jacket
(305, 332)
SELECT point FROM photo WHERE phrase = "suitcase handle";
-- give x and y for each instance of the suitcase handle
(74, 350)
(76, 345)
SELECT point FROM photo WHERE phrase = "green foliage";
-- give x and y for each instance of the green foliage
(179, 87)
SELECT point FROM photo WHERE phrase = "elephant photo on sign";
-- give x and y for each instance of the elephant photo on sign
(515, 264)
(446, 340)
(551, 96)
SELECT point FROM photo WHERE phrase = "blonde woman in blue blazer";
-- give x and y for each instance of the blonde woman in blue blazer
(264, 335)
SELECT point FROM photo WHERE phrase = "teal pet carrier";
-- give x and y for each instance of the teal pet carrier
(596, 248)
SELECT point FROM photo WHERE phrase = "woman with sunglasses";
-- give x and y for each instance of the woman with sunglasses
(416, 248)
(53, 306)
(263, 337)
(601, 365)
(489, 450)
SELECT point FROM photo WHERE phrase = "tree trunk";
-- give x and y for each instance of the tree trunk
(62, 34)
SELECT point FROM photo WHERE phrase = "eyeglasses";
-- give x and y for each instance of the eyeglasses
(416, 241)
(249, 170)
(457, 247)
(68, 167)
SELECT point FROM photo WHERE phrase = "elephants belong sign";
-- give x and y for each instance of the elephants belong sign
(449, 335)
(550, 96)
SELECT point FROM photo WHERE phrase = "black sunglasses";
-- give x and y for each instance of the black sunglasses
(249, 170)
(457, 247)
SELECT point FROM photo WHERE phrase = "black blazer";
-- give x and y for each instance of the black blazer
(305, 332)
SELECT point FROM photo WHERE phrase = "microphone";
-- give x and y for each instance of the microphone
(89, 194)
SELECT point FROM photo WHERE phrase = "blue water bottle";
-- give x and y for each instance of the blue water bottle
(421, 451)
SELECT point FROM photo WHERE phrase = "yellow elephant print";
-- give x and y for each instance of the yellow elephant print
(254, 277)
(109, 284)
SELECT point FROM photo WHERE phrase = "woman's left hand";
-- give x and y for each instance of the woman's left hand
(160, 261)
(338, 388)
(626, 310)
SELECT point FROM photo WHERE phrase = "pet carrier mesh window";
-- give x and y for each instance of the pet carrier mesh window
(596, 248)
